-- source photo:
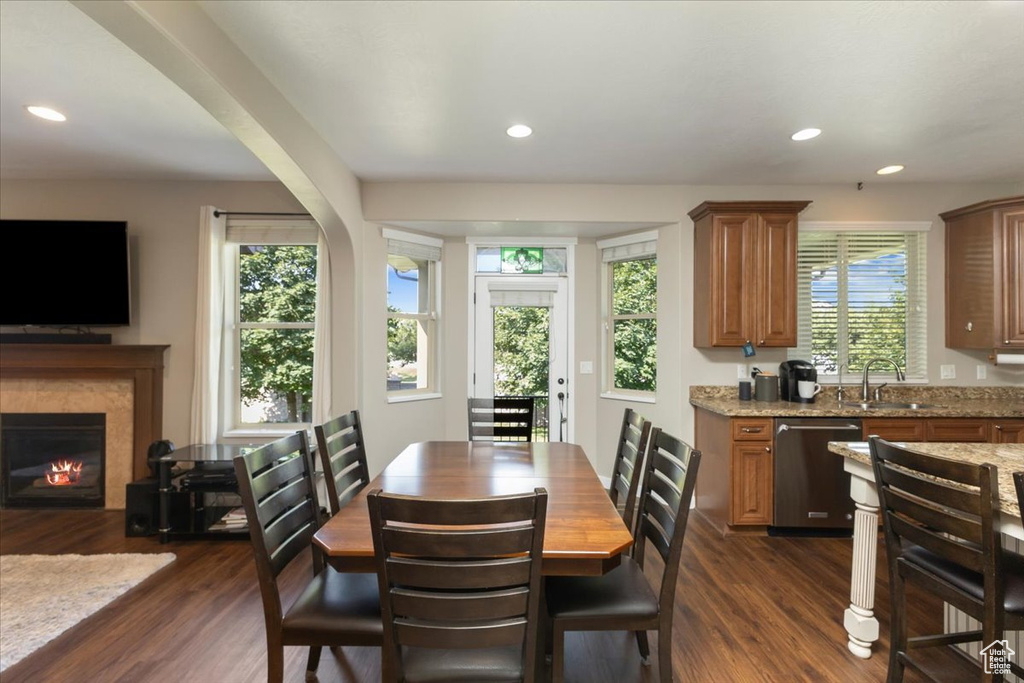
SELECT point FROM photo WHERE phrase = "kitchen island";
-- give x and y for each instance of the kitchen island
(859, 619)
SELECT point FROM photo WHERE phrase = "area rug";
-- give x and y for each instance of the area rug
(30, 617)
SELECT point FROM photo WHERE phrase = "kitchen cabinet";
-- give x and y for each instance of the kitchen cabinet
(734, 483)
(985, 275)
(1007, 431)
(745, 273)
(946, 430)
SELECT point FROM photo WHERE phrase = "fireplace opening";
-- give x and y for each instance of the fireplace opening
(52, 459)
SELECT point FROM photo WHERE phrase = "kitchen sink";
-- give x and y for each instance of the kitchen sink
(886, 405)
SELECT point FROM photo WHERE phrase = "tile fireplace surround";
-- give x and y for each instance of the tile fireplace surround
(123, 382)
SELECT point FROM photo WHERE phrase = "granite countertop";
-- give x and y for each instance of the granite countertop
(1008, 458)
(948, 402)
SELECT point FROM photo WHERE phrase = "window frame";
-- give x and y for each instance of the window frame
(231, 342)
(430, 320)
(917, 268)
(634, 247)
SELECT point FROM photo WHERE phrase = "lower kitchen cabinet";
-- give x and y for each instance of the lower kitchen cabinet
(946, 430)
(734, 482)
(1007, 431)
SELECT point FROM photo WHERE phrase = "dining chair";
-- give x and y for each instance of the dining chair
(342, 454)
(502, 418)
(623, 599)
(628, 467)
(1018, 481)
(282, 510)
(459, 585)
(939, 535)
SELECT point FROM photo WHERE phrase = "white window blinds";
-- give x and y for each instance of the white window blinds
(245, 230)
(518, 293)
(413, 246)
(629, 247)
(861, 295)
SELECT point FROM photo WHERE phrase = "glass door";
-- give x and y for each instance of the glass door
(522, 347)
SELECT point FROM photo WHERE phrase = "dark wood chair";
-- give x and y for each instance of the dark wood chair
(939, 534)
(281, 507)
(1018, 481)
(623, 599)
(502, 418)
(628, 468)
(459, 585)
(343, 456)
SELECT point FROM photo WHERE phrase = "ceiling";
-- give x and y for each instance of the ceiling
(617, 92)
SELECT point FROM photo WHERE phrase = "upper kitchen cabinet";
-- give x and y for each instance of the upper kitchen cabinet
(985, 275)
(745, 273)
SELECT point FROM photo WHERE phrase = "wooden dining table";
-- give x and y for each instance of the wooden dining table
(584, 534)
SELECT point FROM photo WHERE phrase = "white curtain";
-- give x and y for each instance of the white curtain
(209, 325)
(322, 410)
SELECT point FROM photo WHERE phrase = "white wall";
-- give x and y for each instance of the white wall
(680, 364)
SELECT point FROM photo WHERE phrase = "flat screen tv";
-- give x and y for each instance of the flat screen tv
(64, 273)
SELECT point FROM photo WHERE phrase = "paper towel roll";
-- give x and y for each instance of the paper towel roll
(1010, 359)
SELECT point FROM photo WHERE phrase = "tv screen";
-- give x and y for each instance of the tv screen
(64, 273)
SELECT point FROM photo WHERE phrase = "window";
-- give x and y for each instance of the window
(412, 318)
(631, 306)
(270, 312)
(861, 295)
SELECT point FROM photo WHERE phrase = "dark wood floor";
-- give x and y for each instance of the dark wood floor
(747, 609)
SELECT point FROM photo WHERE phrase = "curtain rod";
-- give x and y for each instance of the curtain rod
(217, 213)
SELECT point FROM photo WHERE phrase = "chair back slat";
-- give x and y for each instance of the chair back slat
(670, 474)
(453, 637)
(938, 544)
(943, 468)
(342, 454)
(510, 571)
(463, 544)
(281, 474)
(497, 510)
(930, 489)
(502, 418)
(459, 574)
(943, 520)
(627, 470)
(437, 606)
(951, 517)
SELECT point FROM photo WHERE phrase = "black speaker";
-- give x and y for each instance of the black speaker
(142, 508)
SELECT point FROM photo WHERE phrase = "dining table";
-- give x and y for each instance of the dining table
(584, 534)
(859, 618)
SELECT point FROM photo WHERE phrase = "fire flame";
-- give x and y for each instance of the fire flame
(64, 472)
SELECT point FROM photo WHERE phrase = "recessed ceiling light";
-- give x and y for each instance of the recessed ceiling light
(519, 131)
(895, 168)
(46, 113)
(806, 134)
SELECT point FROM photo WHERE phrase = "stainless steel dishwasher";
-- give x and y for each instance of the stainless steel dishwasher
(812, 492)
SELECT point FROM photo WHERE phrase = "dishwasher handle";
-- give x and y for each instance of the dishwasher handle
(816, 428)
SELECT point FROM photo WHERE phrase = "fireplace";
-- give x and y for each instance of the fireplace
(52, 460)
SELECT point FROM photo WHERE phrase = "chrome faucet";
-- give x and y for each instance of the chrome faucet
(865, 389)
(841, 391)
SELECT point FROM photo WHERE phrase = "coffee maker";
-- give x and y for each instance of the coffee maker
(791, 372)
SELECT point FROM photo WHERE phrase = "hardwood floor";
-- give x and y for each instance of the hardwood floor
(747, 609)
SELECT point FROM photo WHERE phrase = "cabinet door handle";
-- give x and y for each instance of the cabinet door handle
(761, 343)
(969, 327)
(752, 430)
(768, 449)
(999, 428)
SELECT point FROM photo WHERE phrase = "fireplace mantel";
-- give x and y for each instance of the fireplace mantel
(143, 364)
